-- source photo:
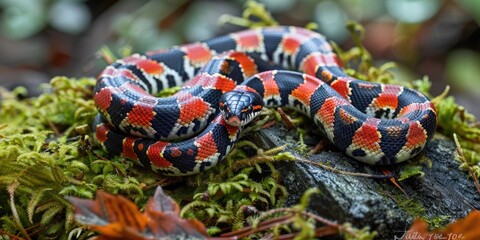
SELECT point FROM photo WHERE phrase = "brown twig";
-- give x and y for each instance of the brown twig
(331, 228)
(307, 214)
(341, 171)
(11, 236)
(310, 215)
(319, 232)
(268, 124)
(286, 119)
(264, 157)
(318, 147)
(267, 224)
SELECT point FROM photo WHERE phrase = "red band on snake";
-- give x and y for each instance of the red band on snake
(226, 81)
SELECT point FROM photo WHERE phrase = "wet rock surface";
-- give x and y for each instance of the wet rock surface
(445, 192)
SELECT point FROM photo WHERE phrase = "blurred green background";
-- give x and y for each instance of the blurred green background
(40, 39)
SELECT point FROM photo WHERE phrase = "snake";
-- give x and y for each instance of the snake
(227, 80)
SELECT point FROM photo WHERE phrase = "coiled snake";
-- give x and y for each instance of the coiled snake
(238, 74)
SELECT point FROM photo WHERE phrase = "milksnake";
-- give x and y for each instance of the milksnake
(237, 74)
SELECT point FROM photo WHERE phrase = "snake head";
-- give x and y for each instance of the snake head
(239, 107)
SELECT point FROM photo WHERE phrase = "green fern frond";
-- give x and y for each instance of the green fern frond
(83, 191)
(36, 197)
(54, 210)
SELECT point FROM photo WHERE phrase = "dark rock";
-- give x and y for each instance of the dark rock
(444, 192)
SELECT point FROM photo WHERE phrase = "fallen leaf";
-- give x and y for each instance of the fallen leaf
(466, 228)
(164, 215)
(113, 216)
(116, 217)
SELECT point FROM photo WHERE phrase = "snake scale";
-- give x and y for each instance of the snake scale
(225, 83)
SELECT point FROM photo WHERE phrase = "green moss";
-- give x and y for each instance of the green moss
(254, 15)
(411, 170)
(231, 202)
(410, 205)
(438, 221)
(414, 208)
(39, 156)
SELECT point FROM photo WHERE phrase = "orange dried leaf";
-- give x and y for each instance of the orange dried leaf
(116, 217)
(163, 212)
(466, 228)
(111, 215)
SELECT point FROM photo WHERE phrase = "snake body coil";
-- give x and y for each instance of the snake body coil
(373, 123)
